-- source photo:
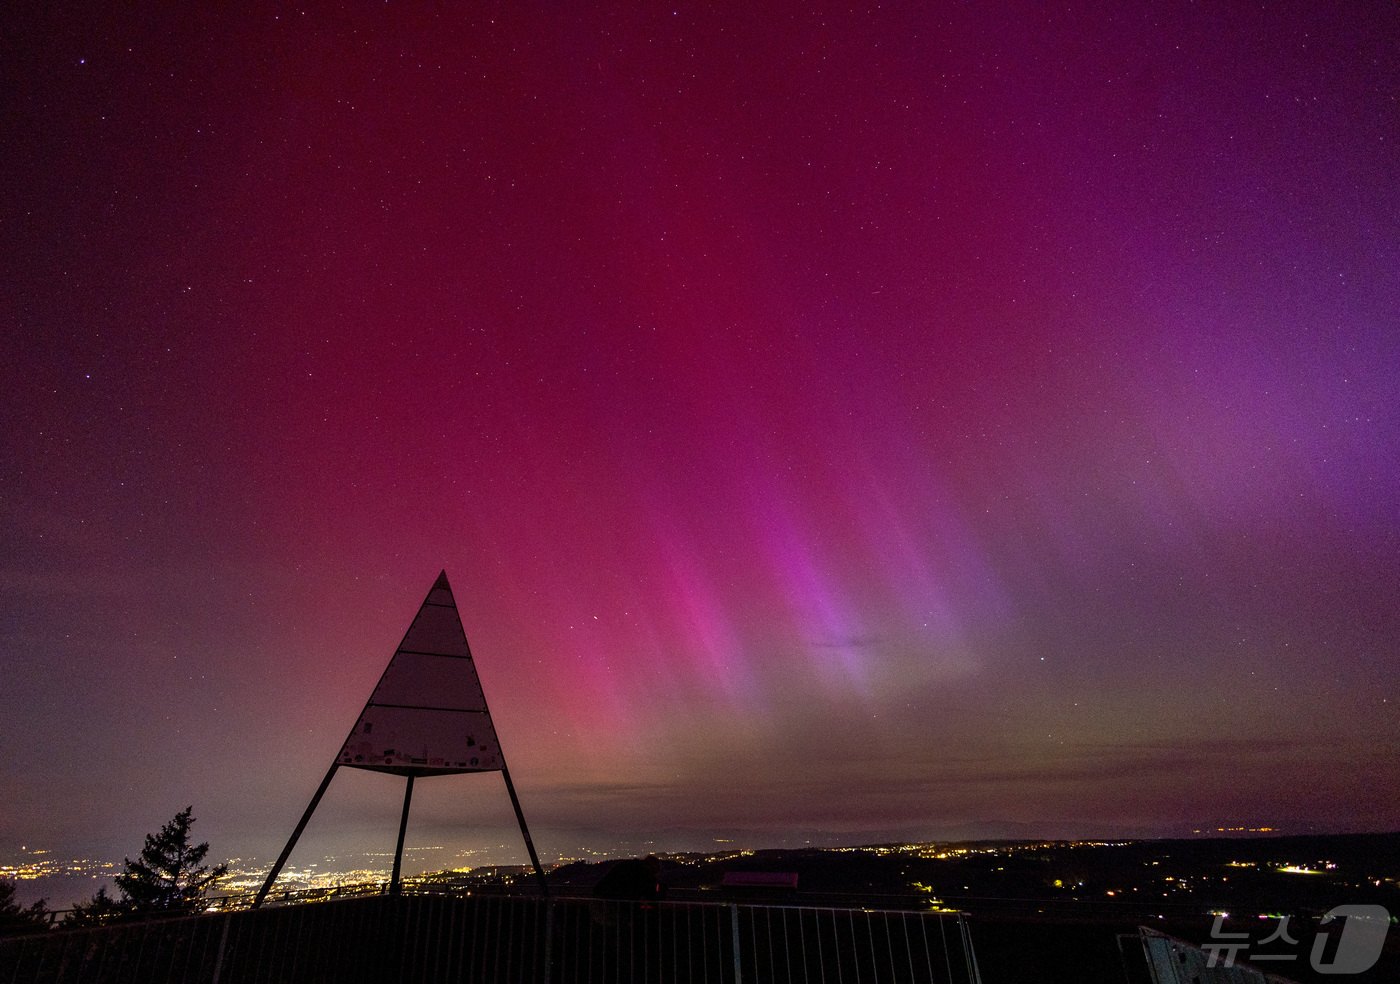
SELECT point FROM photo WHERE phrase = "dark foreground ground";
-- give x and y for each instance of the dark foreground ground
(1054, 912)
(1046, 912)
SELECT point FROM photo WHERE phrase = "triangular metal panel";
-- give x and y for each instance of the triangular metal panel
(428, 715)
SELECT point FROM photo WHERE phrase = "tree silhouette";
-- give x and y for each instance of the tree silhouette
(16, 919)
(170, 873)
(99, 909)
(169, 876)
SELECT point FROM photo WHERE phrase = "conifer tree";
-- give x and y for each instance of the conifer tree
(169, 876)
(99, 909)
(170, 872)
(16, 919)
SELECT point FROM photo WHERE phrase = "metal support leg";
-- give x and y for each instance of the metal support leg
(525, 831)
(286, 851)
(403, 825)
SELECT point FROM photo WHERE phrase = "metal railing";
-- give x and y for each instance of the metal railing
(510, 940)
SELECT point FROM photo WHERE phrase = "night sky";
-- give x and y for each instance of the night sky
(933, 419)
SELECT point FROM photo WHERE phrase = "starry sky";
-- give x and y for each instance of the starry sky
(918, 420)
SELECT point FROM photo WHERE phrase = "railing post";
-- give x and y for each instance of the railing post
(734, 923)
(223, 940)
(548, 940)
(974, 973)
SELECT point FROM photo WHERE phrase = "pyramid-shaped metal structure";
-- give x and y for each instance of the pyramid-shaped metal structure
(427, 715)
